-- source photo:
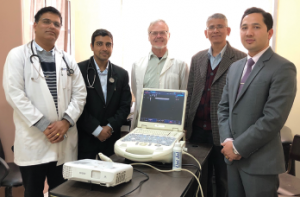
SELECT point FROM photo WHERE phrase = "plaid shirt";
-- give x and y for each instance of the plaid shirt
(202, 118)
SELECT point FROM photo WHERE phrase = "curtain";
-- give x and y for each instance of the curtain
(31, 7)
(62, 41)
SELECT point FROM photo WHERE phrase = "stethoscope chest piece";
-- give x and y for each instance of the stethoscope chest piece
(111, 80)
(70, 72)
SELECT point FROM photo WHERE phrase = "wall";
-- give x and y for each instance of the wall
(79, 40)
(287, 45)
(11, 36)
(288, 42)
(85, 26)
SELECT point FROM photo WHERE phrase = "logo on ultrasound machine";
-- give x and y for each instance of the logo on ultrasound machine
(157, 125)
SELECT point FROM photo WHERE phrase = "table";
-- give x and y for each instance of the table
(159, 184)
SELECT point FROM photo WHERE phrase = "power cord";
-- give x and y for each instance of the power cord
(142, 181)
(185, 153)
(193, 165)
(170, 165)
(197, 178)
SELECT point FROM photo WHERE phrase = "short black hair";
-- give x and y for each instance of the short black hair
(268, 20)
(45, 10)
(101, 32)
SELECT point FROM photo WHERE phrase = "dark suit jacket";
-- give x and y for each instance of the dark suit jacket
(96, 112)
(254, 118)
(196, 84)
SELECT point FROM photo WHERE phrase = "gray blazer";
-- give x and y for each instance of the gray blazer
(254, 119)
(196, 84)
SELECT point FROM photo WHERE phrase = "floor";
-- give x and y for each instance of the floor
(16, 191)
(19, 191)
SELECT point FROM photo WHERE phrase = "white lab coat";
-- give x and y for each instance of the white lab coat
(31, 99)
(174, 75)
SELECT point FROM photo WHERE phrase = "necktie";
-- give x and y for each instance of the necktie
(250, 63)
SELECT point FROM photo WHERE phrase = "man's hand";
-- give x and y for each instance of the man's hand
(48, 134)
(105, 133)
(55, 131)
(228, 151)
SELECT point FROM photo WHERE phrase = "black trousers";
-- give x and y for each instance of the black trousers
(34, 178)
(215, 161)
(92, 154)
(106, 148)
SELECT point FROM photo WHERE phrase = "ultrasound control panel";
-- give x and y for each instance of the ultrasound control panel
(149, 140)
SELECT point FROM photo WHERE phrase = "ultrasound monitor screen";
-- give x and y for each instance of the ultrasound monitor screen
(162, 107)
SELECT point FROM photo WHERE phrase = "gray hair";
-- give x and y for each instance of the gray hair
(217, 16)
(157, 21)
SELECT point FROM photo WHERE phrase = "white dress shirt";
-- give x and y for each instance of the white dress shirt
(103, 82)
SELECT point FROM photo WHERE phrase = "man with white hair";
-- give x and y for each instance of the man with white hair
(158, 69)
(205, 86)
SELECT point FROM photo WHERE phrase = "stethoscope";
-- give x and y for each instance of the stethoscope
(90, 67)
(70, 72)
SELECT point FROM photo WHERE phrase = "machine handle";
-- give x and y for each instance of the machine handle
(135, 156)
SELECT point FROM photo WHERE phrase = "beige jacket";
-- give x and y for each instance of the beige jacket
(174, 75)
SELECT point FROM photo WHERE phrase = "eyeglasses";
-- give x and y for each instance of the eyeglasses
(218, 27)
(48, 22)
(155, 33)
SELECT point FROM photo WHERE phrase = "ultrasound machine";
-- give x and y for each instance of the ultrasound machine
(160, 126)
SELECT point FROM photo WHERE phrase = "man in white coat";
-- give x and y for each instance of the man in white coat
(159, 69)
(46, 90)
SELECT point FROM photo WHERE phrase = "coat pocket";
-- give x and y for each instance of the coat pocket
(66, 80)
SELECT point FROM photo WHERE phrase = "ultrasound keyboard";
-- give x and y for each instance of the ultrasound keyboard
(149, 139)
(152, 132)
(147, 145)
